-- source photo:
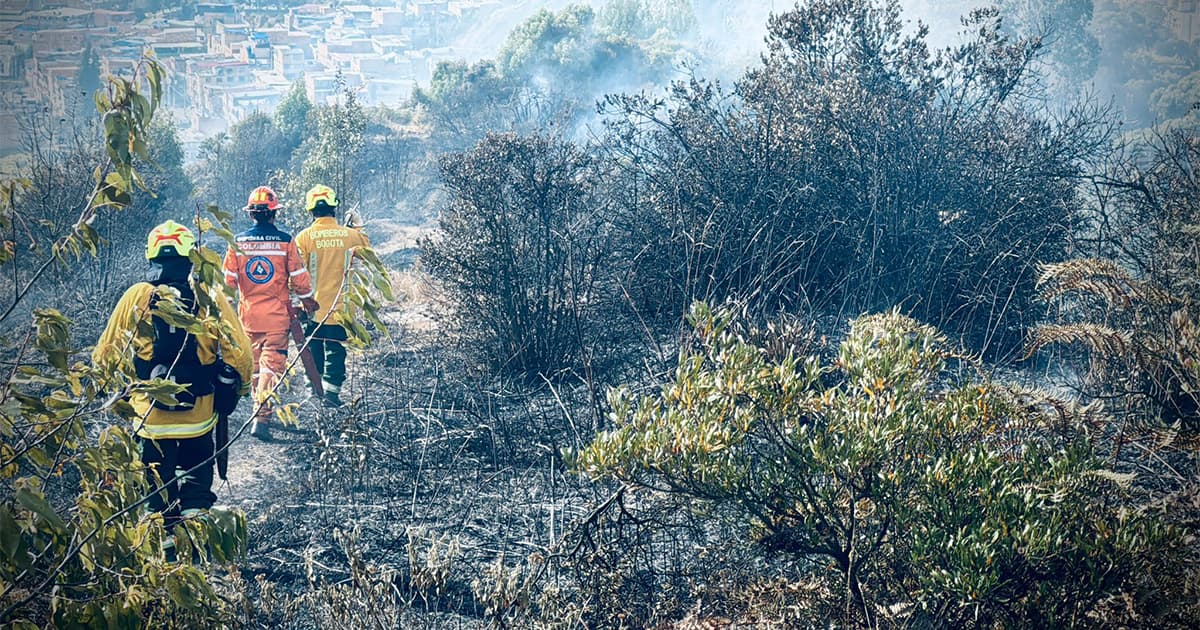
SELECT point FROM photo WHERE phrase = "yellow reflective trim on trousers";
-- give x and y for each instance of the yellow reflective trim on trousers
(177, 431)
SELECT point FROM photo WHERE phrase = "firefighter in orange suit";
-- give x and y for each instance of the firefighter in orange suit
(264, 272)
(327, 248)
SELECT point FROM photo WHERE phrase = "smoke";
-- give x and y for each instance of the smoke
(729, 35)
(491, 26)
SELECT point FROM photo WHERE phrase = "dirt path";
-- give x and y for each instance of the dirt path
(262, 472)
(397, 472)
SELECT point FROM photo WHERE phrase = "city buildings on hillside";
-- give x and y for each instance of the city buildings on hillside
(224, 61)
(1183, 16)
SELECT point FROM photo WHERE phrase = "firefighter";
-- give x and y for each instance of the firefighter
(179, 437)
(264, 271)
(327, 249)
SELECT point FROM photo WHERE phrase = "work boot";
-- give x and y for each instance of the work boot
(259, 429)
(332, 401)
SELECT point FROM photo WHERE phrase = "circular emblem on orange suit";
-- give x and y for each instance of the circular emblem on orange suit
(260, 270)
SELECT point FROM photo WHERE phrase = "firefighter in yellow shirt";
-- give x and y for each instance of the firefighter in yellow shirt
(215, 366)
(327, 249)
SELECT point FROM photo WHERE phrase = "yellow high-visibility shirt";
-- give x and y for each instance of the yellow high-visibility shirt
(326, 247)
(121, 340)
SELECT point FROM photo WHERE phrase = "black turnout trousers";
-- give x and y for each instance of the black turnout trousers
(171, 459)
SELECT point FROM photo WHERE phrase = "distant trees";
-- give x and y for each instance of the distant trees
(1140, 56)
(551, 70)
(464, 101)
(570, 54)
(292, 115)
(1178, 100)
(1072, 52)
(362, 153)
(332, 155)
(251, 154)
(645, 19)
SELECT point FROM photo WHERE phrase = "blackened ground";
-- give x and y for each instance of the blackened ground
(383, 514)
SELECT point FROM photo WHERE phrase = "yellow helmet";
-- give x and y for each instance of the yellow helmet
(169, 239)
(320, 194)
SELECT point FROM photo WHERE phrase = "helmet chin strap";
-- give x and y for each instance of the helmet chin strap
(169, 268)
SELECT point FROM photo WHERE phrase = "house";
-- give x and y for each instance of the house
(58, 40)
(106, 18)
(11, 63)
(229, 38)
(322, 87)
(390, 44)
(211, 13)
(289, 62)
(388, 20)
(1183, 18)
(386, 91)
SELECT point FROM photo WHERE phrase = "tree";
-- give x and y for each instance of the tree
(568, 55)
(548, 39)
(292, 115)
(1178, 100)
(332, 156)
(465, 101)
(642, 20)
(1139, 55)
(1072, 51)
(252, 154)
(918, 495)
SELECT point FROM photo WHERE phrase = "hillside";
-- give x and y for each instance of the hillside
(867, 326)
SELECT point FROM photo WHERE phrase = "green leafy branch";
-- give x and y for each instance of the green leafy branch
(126, 114)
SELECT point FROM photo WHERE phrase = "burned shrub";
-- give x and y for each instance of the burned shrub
(1135, 305)
(521, 251)
(852, 170)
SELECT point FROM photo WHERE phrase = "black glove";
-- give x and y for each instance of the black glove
(225, 389)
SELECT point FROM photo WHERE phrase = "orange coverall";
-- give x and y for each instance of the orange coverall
(263, 272)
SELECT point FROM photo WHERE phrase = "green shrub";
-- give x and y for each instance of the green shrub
(916, 492)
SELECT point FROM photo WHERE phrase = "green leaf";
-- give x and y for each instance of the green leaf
(36, 503)
(10, 533)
